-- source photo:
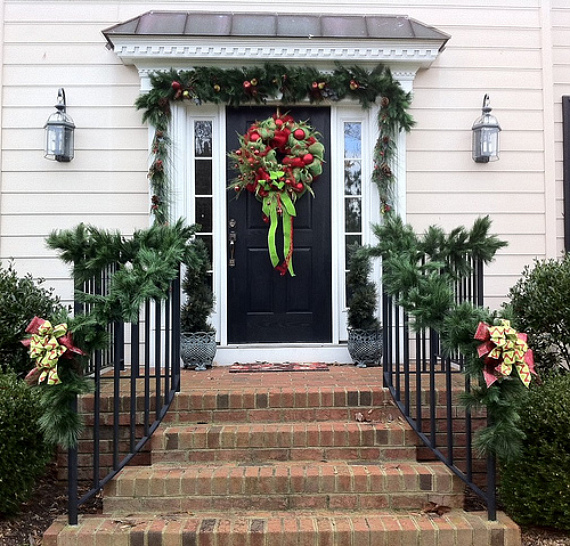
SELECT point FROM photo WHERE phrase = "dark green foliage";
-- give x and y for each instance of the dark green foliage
(59, 423)
(540, 303)
(23, 453)
(503, 435)
(536, 488)
(294, 84)
(362, 291)
(21, 299)
(144, 266)
(420, 272)
(199, 301)
(146, 263)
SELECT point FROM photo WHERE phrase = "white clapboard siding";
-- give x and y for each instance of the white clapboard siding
(68, 182)
(84, 117)
(41, 224)
(496, 47)
(40, 95)
(56, 32)
(116, 138)
(560, 17)
(471, 183)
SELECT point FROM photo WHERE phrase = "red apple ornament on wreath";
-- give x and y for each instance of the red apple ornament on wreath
(278, 160)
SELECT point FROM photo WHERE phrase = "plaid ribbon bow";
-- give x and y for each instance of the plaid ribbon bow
(503, 349)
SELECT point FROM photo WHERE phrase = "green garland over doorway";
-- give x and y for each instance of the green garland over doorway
(287, 85)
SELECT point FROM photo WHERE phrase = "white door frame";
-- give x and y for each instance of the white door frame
(182, 172)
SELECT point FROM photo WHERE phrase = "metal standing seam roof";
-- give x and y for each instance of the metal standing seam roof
(263, 25)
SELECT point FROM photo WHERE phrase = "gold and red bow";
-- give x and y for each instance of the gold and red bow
(503, 349)
(47, 344)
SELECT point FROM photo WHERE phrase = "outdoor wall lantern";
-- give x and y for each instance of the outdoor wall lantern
(59, 132)
(486, 135)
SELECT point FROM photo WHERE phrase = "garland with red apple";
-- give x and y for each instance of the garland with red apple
(288, 85)
(278, 160)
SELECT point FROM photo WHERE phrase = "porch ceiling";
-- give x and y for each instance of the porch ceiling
(261, 36)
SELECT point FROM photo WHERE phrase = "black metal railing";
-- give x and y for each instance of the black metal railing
(427, 386)
(135, 379)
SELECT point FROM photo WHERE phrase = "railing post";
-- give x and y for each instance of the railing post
(385, 336)
(491, 488)
(176, 332)
(72, 490)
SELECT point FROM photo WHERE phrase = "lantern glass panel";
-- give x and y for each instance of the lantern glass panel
(59, 137)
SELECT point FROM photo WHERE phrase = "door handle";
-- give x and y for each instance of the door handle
(232, 240)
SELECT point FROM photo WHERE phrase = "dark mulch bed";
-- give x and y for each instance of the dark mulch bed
(50, 501)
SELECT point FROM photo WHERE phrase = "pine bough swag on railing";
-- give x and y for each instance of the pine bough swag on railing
(420, 272)
(146, 263)
(289, 86)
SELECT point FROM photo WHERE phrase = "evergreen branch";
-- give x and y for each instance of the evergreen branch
(420, 272)
(290, 85)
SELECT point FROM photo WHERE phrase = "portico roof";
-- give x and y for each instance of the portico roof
(156, 36)
(179, 23)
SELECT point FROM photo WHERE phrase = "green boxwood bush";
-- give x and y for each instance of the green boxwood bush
(540, 305)
(22, 299)
(23, 453)
(536, 488)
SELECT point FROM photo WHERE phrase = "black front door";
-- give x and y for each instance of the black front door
(264, 306)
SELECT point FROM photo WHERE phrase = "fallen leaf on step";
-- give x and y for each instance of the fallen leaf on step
(433, 508)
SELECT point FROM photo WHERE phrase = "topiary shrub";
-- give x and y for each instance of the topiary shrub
(540, 307)
(363, 297)
(199, 301)
(535, 489)
(23, 453)
(22, 299)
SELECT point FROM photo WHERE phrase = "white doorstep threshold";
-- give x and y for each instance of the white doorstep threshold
(275, 352)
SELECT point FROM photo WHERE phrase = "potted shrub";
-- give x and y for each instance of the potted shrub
(197, 336)
(364, 329)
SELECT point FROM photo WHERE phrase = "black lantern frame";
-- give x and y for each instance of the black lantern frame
(59, 132)
(486, 135)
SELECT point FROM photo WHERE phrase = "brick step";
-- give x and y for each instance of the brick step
(264, 442)
(456, 528)
(282, 486)
(260, 404)
(282, 415)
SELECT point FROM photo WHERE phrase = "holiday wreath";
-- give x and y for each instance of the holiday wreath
(277, 161)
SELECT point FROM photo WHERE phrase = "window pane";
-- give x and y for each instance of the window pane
(352, 177)
(352, 215)
(204, 213)
(208, 242)
(203, 176)
(351, 240)
(352, 139)
(203, 138)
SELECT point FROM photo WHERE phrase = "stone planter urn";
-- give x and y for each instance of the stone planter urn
(365, 346)
(197, 350)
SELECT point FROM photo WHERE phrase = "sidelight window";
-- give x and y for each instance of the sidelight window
(352, 154)
(203, 180)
